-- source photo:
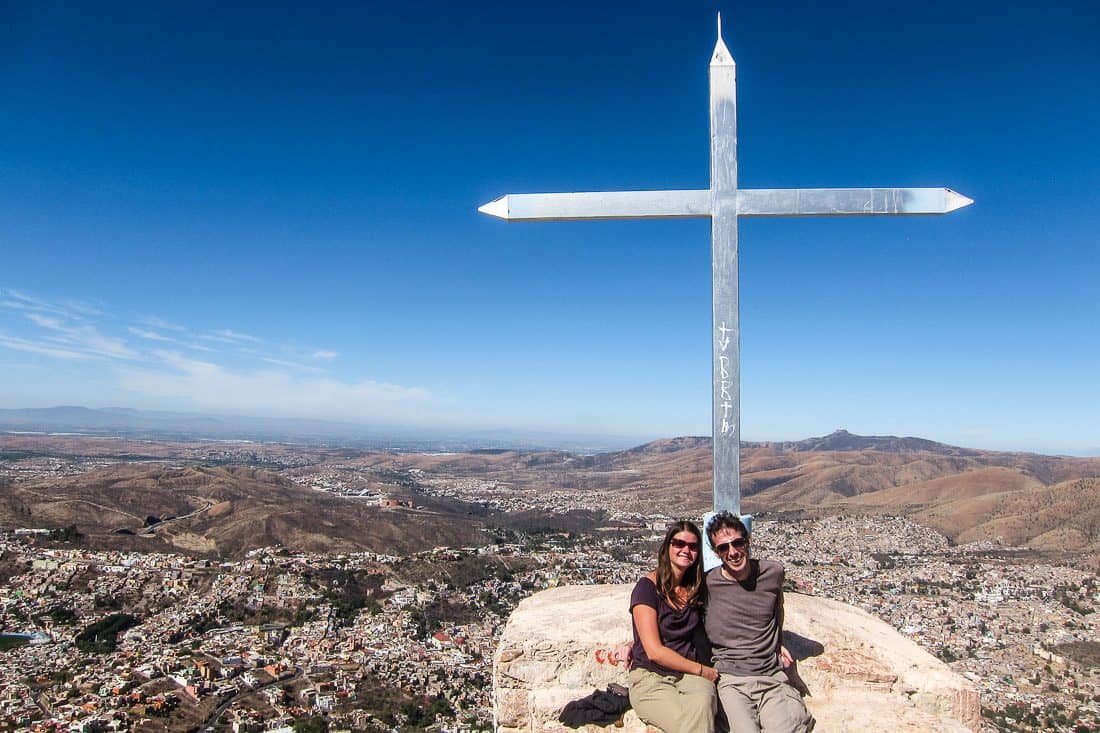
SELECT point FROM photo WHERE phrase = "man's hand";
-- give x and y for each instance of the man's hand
(785, 658)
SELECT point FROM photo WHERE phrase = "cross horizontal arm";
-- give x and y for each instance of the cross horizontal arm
(750, 202)
(599, 205)
(847, 201)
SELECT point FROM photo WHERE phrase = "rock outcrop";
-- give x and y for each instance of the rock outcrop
(858, 673)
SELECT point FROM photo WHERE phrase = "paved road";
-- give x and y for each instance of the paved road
(212, 719)
(150, 529)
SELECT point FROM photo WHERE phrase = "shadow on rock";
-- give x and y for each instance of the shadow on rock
(800, 648)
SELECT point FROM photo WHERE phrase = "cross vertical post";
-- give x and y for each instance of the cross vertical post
(725, 303)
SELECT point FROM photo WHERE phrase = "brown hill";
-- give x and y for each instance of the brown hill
(956, 487)
(1000, 504)
(872, 474)
(902, 476)
(1019, 498)
(223, 511)
(1065, 516)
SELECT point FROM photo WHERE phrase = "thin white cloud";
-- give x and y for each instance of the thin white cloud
(82, 308)
(19, 344)
(82, 337)
(160, 361)
(151, 335)
(44, 321)
(156, 322)
(70, 308)
(229, 336)
(155, 336)
(22, 301)
(290, 364)
(204, 384)
(23, 298)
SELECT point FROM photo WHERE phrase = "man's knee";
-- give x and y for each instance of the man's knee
(783, 711)
(738, 706)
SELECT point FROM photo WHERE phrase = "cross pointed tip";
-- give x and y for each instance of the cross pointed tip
(497, 208)
(955, 201)
(722, 54)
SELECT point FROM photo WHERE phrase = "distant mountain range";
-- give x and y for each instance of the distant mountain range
(843, 440)
(839, 440)
(225, 505)
(130, 423)
(1045, 502)
(164, 425)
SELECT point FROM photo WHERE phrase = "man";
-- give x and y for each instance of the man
(744, 621)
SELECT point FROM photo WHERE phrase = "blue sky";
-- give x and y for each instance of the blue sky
(272, 211)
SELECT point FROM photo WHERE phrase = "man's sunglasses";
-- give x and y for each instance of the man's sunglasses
(679, 544)
(740, 543)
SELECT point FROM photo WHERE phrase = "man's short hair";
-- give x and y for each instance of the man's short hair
(725, 520)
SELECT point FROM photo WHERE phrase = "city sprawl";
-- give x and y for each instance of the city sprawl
(104, 639)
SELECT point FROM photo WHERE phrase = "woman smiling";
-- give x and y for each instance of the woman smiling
(670, 686)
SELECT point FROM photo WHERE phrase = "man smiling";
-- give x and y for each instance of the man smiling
(744, 621)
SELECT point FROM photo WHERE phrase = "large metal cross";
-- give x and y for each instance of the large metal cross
(723, 202)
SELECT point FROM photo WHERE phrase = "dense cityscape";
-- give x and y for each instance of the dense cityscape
(280, 640)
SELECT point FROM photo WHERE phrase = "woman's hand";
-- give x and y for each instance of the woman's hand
(623, 653)
(709, 673)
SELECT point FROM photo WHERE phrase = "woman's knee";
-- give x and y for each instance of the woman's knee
(699, 706)
(700, 702)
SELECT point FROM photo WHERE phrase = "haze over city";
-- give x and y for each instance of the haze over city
(272, 212)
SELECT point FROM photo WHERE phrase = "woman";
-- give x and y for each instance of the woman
(670, 686)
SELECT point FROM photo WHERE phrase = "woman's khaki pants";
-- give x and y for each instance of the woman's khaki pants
(673, 703)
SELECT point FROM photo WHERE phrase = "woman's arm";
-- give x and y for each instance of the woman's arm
(645, 620)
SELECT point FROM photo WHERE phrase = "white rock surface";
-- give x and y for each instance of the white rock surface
(860, 673)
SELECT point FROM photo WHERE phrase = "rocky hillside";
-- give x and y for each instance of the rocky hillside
(222, 511)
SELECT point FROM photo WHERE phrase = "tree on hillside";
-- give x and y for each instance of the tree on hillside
(102, 636)
(314, 724)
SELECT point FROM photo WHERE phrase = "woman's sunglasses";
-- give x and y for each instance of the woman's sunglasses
(679, 544)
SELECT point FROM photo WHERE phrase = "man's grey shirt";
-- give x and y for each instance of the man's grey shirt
(744, 620)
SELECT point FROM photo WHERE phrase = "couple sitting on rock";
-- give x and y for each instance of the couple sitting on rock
(731, 618)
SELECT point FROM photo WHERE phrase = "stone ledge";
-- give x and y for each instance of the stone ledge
(860, 673)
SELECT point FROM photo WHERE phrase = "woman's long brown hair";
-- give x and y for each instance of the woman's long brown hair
(693, 576)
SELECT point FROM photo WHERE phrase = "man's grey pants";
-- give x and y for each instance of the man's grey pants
(767, 704)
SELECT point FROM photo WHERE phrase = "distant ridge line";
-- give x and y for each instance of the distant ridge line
(838, 440)
(842, 440)
(132, 423)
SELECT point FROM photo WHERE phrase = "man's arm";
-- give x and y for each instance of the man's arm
(779, 604)
(784, 656)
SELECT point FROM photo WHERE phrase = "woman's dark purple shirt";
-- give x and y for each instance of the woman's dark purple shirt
(680, 628)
